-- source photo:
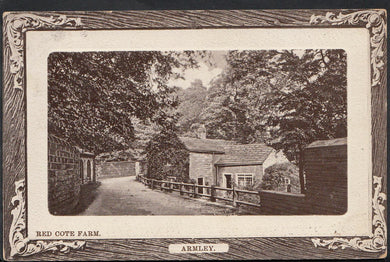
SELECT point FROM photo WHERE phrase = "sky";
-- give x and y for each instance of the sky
(205, 72)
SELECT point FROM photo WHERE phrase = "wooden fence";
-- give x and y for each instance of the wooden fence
(195, 190)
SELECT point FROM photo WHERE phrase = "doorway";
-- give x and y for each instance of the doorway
(228, 179)
(82, 171)
(89, 170)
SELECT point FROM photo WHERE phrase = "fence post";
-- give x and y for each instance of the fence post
(234, 196)
(170, 186)
(259, 197)
(152, 184)
(212, 193)
(181, 188)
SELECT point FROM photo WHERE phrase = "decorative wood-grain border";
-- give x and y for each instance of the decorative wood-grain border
(18, 245)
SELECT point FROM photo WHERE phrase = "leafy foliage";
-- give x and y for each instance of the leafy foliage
(262, 89)
(93, 96)
(286, 98)
(192, 101)
(317, 108)
(238, 98)
(167, 156)
(275, 177)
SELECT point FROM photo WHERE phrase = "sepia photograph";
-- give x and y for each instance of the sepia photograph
(194, 134)
(233, 132)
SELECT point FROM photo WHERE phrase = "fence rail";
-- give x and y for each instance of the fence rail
(232, 195)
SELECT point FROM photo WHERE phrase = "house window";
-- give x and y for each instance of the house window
(287, 181)
(244, 179)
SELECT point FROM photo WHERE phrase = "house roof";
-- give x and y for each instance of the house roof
(331, 142)
(247, 154)
(205, 145)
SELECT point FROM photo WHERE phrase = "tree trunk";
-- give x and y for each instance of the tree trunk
(301, 173)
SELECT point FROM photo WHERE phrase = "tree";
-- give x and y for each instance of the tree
(167, 156)
(192, 101)
(93, 96)
(286, 98)
(237, 98)
(275, 177)
(144, 130)
(316, 109)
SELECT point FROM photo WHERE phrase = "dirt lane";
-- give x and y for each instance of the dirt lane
(125, 196)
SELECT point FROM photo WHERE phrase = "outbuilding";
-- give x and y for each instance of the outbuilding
(326, 172)
(222, 163)
(245, 164)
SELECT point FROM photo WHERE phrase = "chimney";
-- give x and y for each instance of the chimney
(201, 132)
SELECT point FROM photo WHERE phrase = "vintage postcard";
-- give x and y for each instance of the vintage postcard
(138, 135)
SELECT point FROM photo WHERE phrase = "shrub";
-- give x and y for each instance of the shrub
(167, 157)
(275, 177)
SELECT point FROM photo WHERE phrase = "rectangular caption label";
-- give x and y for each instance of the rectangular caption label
(198, 248)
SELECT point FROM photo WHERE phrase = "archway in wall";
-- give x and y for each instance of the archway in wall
(82, 171)
(89, 170)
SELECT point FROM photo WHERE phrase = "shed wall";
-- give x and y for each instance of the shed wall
(326, 179)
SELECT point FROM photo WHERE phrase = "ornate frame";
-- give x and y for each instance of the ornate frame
(15, 24)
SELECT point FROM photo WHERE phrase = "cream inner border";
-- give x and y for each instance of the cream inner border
(356, 222)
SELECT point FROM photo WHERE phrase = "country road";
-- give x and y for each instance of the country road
(125, 196)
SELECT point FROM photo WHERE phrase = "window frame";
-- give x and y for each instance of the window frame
(245, 175)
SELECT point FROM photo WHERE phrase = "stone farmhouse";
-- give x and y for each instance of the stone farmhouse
(222, 163)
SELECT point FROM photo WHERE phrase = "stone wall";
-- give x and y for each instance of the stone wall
(64, 176)
(115, 169)
(326, 176)
(256, 170)
(202, 166)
